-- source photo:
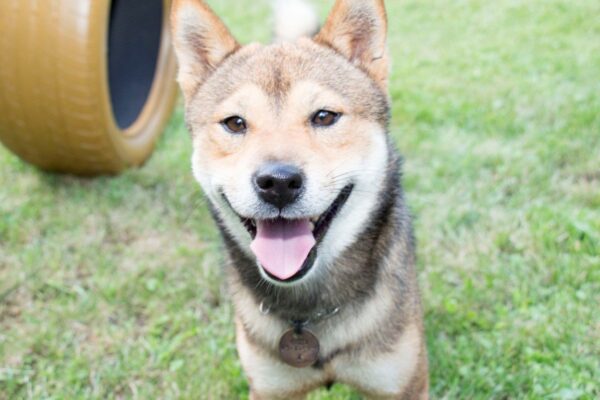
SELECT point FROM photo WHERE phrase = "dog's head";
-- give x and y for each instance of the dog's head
(290, 140)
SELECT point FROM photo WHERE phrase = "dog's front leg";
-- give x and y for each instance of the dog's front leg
(269, 377)
(256, 396)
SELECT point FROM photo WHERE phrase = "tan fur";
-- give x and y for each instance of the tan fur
(357, 29)
(202, 42)
(376, 342)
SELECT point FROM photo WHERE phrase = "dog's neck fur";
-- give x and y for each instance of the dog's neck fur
(356, 272)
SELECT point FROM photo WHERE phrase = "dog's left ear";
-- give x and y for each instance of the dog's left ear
(357, 29)
(202, 42)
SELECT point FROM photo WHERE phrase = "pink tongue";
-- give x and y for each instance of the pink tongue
(282, 246)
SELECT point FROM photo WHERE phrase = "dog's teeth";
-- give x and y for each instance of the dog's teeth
(253, 223)
(312, 226)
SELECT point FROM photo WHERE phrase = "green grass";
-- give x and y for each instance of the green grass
(112, 288)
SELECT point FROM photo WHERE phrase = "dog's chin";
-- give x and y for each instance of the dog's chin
(317, 227)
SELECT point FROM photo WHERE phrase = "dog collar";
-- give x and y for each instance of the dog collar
(298, 346)
(314, 319)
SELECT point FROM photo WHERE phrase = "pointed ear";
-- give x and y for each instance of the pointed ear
(357, 29)
(201, 40)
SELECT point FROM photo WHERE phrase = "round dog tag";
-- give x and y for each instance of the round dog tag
(299, 349)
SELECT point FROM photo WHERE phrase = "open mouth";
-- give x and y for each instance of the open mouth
(287, 249)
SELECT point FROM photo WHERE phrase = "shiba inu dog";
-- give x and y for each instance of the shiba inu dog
(291, 147)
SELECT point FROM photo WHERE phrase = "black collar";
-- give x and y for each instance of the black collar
(300, 323)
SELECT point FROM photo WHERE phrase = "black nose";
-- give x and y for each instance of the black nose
(279, 184)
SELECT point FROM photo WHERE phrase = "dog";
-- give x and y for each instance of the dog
(292, 149)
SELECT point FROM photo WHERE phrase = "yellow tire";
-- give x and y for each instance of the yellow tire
(86, 86)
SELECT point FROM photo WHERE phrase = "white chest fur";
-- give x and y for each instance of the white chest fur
(368, 370)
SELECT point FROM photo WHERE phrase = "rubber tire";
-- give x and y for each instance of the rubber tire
(55, 101)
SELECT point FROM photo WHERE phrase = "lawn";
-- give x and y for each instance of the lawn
(112, 288)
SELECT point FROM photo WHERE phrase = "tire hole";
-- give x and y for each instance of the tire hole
(133, 49)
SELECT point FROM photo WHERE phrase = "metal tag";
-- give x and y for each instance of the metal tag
(299, 348)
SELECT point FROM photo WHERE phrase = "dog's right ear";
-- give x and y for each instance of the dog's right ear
(201, 40)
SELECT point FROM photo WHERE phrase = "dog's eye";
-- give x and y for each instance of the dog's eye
(235, 125)
(325, 118)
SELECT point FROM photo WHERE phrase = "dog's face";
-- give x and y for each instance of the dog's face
(289, 140)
